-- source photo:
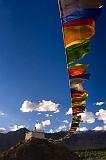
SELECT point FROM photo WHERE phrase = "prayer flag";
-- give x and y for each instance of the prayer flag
(77, 51)
(77, 69)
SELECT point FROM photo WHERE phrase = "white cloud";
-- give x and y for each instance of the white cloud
(100, 103)
(69, 125)
(16, 127)
(39, 126)
(43, 106)
(39, 113)
(60, 128)
(51, 131)
(65, 121)
(88, 117)
(69, 111)
(104, 127)
(2, 130)
(57, 111)
(2, 114)
(98, 128)
(82, 129)
(101, 115)
(46, 123)
(48, 115)
(42, 125)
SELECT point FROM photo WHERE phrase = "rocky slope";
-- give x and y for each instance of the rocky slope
(37, 149)
(89, 140)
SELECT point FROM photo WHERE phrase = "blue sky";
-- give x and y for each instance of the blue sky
(33, 65)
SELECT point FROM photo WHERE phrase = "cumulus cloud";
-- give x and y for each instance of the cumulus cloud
(65, 121)
(46, 123)
(99, 103)
(42, 125)
(16, 127)
(101, 115)
(2, 130)
(69, 111)
(60, 128)
(82, 129)
(39, 126)
(51, 131)
(98, 128)
(88, 117)
(42, 106)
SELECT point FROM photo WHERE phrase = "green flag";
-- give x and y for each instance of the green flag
(77, 51)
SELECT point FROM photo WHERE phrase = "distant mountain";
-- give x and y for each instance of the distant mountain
(11, 138)
(89, 140)
(39, 149)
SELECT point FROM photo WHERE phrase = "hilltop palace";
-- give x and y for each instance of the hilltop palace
(34, 134)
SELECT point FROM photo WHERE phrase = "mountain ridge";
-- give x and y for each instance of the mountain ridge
(88, 140)
(39, 149)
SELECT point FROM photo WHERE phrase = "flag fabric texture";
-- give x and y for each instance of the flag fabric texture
(68, 7)
(77, 51)
(77, 70)
(75, 94)
(78, 19)
(77, 119)
(80, 103)
(80, 22)
(83, 13)
(80, 32)
(83, 76)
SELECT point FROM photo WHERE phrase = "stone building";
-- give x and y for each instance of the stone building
(34, 134)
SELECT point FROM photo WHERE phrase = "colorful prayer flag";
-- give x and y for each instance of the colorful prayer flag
(76, 104)
(77, 86)
(74, 33)
(77, 119)
(67, 7)
(83, 76)
(75, 94)
(77, 51)
(77, 69)
(78, 110)
(83, 13)
(79, 22)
